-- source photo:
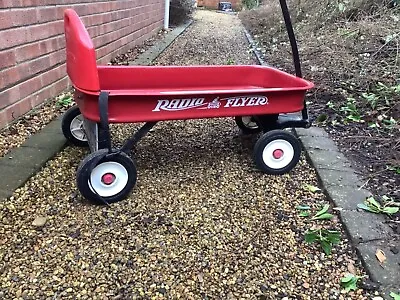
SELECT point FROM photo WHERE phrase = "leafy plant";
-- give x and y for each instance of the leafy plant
(395, 169)
(303, 210)
(349, 282)
(65, 100)
(322, 214)
(351, 111)
(394, 295)
(370, 204)
(326, 238)
(230, 61)
(331, 105)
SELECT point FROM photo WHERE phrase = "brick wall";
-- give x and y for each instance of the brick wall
(236, 4)
(32, 53)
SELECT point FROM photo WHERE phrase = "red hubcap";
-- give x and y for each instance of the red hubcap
(108, 178)
(277, 154)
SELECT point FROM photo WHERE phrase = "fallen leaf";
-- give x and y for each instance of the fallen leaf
(311, 188)
(380, 255)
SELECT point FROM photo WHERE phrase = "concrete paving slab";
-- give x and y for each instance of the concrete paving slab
(320, 143)
(363, 226)
(13, 177)
(46, 139)
(347, 197)
(26, 157)
(5, 194)
(338, 178)
(312, 131)
(329, 159)
(54, 126)
(386, 273)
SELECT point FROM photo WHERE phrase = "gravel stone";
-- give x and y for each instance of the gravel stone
(201, 222)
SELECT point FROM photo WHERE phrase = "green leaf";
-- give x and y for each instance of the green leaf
(311, 237)
(367, 208)
(323, 217)
(303, 207)
(395, 296)
(334, 237)
(390, 210)
(350, 282)
(304, 214)
(347, 278)
(373, 202)
(322, 211)
(311, 188)
(327, 247)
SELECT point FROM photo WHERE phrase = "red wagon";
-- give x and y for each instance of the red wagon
(256, 96)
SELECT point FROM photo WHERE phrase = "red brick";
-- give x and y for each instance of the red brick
(10, 76)
(9, 96)
(49, 13)
(7, 59)
(14, 111)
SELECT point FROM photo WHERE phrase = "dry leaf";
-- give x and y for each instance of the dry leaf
(351, 268)
(380, 255)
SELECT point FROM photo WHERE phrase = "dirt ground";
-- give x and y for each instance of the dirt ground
(202, 223)
(351, 53)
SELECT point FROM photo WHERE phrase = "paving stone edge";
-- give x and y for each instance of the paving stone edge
(23, 162)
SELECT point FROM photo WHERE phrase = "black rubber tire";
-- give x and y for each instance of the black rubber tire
(244, 127)
(67, 119)
(83, 176)
(266, 139)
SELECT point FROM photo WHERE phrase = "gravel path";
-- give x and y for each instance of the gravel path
(202, 223)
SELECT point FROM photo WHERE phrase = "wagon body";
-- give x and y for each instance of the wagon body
(143, 94)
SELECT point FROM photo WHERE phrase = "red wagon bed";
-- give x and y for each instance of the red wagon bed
(255, 95)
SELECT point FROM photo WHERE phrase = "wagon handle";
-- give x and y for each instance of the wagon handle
(295, 51)
(292, 37)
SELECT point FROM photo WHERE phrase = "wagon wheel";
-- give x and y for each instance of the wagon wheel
(247, 124)
(72, 127)
(112, 177)
(277, 152)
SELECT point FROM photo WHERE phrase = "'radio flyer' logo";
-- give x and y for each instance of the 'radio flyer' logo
(199, 103)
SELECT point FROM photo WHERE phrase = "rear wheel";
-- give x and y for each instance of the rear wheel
(277, 152)
(102, 177)
(72, 127)
(247, 124)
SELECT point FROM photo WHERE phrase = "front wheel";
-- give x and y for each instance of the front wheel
(277, 152)
(72, 127)
(106, 178)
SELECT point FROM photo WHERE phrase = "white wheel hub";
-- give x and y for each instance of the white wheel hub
(249, 123)
(108, 179)
(278, 154)
(77, 130)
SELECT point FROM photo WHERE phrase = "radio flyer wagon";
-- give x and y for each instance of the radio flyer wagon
(256, 96)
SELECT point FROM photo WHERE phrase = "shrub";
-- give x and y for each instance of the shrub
(180, 11)
(250, 3)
